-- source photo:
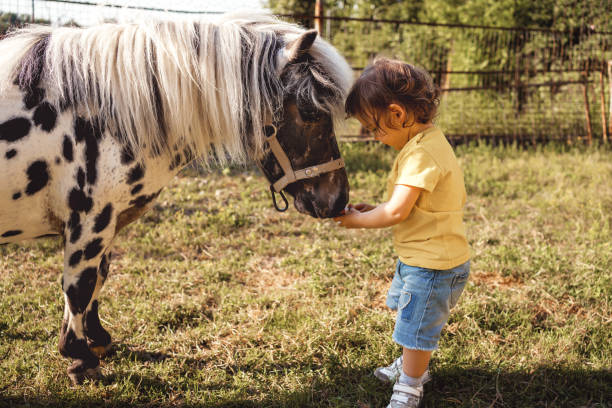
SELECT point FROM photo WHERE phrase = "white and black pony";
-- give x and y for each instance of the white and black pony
(95, 122)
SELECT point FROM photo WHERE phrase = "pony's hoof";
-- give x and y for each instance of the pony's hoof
(100, 351)
(78, 373)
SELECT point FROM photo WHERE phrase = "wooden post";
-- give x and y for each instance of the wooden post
(517, 101)
(604, 124)
(318, 24)
(587, 111)
(328, 30)
(610, 88)
(32, 11)
(446, 78)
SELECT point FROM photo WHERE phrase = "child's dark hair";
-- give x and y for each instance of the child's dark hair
(389, 81)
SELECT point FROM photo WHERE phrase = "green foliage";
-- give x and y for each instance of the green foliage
(8, 20)
(500, 73)
(12, 20)
(471, 49)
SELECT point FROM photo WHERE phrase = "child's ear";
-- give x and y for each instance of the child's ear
(397, 114)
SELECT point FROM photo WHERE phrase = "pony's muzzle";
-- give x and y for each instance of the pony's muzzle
(324, 196)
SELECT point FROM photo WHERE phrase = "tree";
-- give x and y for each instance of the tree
(472, 49)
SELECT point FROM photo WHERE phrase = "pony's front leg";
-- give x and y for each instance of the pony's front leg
(81, 284)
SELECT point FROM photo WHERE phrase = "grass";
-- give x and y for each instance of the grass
(216, 300)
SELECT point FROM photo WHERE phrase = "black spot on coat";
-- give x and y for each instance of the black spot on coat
(137, 189)
(75, 234)
(135, 174)
(11, 153)
(143, 200)
(91, 157)
(67, 149)
(38, 176)
(104, 263)
(75, 227)
(75, 258)
(91, 133)
(33, 98)
(127, 155)
(81, 178)
(11, 233)
(45, 116)
(93, 248)
(16, 196)
(78, 201)
(15, 129)
(80, 294)
(103, 219)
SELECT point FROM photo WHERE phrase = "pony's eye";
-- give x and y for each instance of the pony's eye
(310, 115)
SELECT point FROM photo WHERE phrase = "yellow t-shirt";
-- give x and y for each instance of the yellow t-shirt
(433, 235)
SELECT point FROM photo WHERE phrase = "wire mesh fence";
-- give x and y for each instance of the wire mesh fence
(501, 84)
(89, 12)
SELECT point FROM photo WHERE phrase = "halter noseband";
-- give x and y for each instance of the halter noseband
(291, 175)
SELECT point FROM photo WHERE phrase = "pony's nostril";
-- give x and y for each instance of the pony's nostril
(311, 208)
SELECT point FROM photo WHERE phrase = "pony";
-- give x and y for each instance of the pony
(94, 122)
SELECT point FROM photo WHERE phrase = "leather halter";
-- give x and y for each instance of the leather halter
(291, 175)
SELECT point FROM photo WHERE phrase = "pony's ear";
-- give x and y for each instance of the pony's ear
(301, 46)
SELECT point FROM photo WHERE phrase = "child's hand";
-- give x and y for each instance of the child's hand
(349, 217)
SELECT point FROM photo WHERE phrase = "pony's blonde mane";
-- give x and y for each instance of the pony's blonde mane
(197, 85)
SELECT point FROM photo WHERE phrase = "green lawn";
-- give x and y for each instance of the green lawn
(214, 299)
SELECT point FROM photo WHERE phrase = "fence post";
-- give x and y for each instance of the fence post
(604, 124)
(610, 88)
(517, 101)
(445, 82)
(32, 12)
(587, 111)
(318, 13)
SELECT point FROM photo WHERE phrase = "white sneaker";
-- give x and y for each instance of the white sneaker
(406, 396)
(391, 372)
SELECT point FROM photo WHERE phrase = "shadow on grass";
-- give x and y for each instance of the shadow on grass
(335, 386)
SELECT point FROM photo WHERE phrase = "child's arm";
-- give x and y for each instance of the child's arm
(386, 214)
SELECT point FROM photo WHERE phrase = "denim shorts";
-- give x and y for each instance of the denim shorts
(423, 299)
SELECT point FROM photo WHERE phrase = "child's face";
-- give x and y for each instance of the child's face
(393, 136)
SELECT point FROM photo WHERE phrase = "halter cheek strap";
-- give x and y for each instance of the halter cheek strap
(291, 175)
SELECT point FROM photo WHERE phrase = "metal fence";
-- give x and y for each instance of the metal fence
(502, 84)
(505, 84)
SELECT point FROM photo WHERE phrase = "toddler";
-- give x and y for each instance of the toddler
(396, 102)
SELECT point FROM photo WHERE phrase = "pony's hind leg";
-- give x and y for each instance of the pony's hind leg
(98, 339)
(81, 282)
